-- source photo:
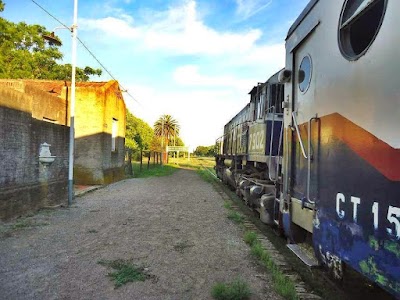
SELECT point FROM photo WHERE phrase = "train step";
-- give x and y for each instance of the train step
(306, 257)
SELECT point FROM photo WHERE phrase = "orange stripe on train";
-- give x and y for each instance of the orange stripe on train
(376, 152)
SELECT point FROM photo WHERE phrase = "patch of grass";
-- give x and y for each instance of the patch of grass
(153, 171)
(206, 175)
(250, 237)
(235, 217)
(92, 231)
(7, 230)
(27, 223)
(228, 205)
(236, 290)
(282, 284)
(124, 272)
(194, 162)
(23, 223)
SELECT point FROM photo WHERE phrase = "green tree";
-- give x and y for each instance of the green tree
(25, 54)
(166, 127)
(205, 151)
(176, 141)
(139, 134)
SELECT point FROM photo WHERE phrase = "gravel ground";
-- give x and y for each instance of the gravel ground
(176, 226)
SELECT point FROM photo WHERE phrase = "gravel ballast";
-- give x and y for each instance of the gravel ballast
(174, 226)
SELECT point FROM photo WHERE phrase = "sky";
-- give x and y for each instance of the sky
(195, 60)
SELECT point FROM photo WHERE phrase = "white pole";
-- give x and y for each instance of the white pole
(162, 141)
(74, 30)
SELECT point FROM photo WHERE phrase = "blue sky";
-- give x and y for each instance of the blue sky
(194, 60)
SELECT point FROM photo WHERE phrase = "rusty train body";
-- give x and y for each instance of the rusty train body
(316, 151)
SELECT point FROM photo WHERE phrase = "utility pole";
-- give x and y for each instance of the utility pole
(74, 29)
(53, 40)
(162, 141)
(175, 139)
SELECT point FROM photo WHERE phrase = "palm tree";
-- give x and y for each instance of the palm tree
(166, 127)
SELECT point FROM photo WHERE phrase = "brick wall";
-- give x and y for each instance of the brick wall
(25, 184)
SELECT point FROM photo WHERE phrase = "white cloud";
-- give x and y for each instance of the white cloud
(177, 31)
(112, 26)
(249, 8)
(203, 94)
(189, 75)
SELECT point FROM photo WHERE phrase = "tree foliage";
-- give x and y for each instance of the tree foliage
(205, 151)
(166, 127)
(176, 141)
(25, 54)
(139, 135)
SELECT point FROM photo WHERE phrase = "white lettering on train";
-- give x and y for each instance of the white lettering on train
(393, 214)
(340, 198)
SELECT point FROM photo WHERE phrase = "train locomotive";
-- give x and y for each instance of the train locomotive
(316, 151)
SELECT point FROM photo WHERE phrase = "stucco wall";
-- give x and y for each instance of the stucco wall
(96, 107)
(25, 184)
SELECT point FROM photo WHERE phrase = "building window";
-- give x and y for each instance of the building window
(305, 72)
(359, 25)
(114, 134)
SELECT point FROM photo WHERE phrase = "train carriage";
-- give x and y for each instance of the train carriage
(333, 178)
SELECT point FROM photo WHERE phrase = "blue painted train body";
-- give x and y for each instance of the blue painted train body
(320, 139)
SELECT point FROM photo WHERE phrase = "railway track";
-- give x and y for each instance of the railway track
(311, 283)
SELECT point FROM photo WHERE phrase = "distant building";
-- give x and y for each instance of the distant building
(35, 112)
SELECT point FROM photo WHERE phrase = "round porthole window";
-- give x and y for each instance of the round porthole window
(359, 24)
(305, 74)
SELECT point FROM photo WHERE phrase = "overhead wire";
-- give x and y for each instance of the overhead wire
(88, 50)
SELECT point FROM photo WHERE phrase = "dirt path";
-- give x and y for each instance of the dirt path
(176, 226)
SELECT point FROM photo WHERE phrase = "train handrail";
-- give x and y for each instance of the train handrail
(231, 131)
(309, 160)
(270, 145)
(270, 148)
(299, 135)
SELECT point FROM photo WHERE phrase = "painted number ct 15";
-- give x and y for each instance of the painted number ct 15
(393, 214)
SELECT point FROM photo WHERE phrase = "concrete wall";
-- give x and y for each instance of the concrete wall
(25, 184)
(96, 107)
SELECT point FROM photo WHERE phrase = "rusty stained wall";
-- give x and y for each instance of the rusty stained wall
(25, 184)
(97, 104)
(96, 107)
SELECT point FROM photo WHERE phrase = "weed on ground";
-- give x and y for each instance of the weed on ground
(27, 223)
(235, 290)
(7, 230)
(250, 237)
(282, 284)
(125, 271)
(228, 205)
(235, 217)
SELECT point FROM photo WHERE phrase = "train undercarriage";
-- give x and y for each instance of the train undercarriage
(251, 182)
